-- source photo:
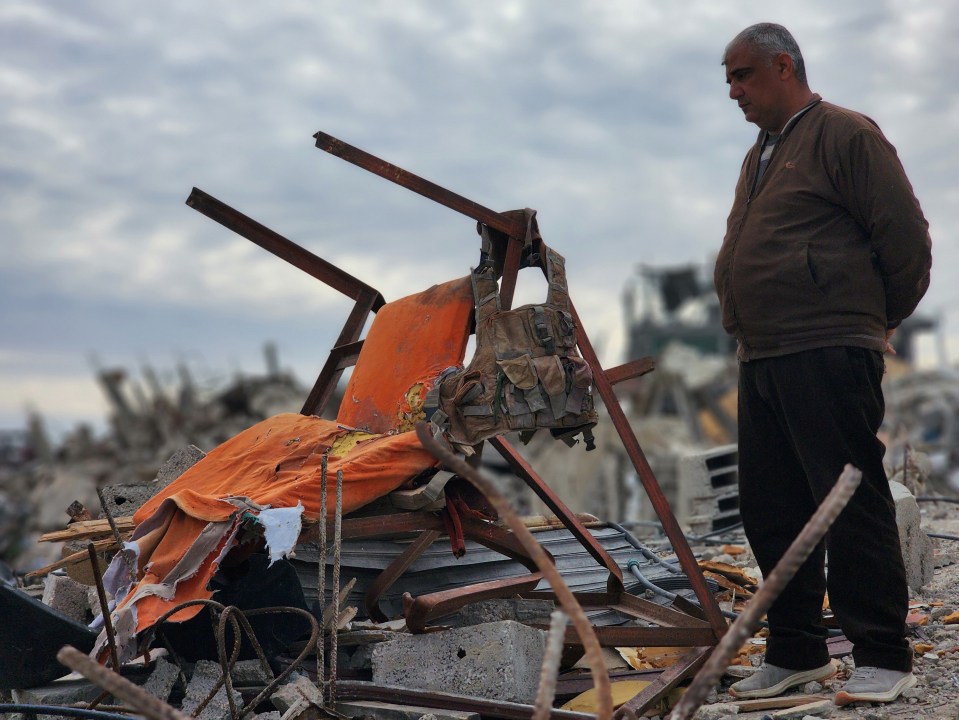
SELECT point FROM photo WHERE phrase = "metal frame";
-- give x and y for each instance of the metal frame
(698, 627)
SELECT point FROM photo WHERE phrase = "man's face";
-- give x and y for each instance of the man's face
(757, 87)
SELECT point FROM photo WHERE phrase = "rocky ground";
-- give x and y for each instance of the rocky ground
(934, 635)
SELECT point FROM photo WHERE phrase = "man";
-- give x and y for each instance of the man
(826, 252)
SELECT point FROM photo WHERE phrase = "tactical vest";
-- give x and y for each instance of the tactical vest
(526, 373)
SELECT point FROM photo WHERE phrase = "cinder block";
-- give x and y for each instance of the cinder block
(916, 545)
(68, 597)
(177, 464)
(162, 679)
(500, 660)
(122, 500)
(206, 674)
(707, 495)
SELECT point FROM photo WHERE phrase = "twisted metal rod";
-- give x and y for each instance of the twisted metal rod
(546, 692)
(744, 626)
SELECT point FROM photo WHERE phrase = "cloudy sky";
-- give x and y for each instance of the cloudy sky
(609, 117)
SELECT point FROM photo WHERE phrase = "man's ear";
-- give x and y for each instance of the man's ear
(784, 66)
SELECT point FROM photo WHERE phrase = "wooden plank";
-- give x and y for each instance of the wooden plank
(87, 529)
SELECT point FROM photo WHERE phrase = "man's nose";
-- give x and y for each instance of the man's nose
(735, 92)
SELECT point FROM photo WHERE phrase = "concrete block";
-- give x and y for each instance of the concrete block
(177, 464)
(389, 711)
(206, 674)
(122, 500)
(162, 679)
(500, 660)
(916, 545)
(68, 597)
(707, 496)
(250, 672)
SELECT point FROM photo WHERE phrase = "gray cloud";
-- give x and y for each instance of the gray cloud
(610, 118)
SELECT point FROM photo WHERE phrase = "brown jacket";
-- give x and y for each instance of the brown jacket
(831, 247)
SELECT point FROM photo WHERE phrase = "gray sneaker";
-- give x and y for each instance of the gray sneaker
(873, 684)
(770, 680)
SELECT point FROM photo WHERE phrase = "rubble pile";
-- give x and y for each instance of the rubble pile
(40, 479)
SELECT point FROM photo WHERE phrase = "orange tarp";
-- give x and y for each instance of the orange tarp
(277, 462)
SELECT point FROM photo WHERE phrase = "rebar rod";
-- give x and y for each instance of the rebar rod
(546, 692)
(321, 580)
(744, 627)
(104, 607)
(337, 548)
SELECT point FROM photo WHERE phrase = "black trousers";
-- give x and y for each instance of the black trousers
(802, 417)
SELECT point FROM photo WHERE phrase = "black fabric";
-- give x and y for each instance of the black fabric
(802, 417)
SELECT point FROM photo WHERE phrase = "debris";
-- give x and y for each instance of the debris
(470, 659)
(916, 545)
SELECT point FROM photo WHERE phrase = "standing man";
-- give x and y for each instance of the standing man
(826, 252)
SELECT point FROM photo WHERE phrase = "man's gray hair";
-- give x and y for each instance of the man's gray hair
(772, 39)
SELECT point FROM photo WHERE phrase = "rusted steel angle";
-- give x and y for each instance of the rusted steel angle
(524, 470)
(343, 351)
(630, 370)
(404, 178)
(633, 636)
(280, 246)
(420, 610)
(671, 527)
(359, 690)
(689, 663)
(629, 604)
(396, 568)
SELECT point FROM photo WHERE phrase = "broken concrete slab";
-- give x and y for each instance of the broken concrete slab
(916, 544)
(300, 691)
(389, 711)
(499, 661)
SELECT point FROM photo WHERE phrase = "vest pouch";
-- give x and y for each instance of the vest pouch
(526, 373)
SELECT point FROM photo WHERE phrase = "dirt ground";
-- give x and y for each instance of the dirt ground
(934, 635)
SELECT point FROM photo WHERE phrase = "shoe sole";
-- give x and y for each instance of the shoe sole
(800, 678)
(846, 698)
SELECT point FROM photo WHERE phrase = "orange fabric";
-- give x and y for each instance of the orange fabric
(277, 463)
(411, 341)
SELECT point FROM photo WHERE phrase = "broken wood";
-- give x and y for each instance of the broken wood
(85, 529)
(76, 558)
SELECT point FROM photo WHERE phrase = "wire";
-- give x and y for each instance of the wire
(60, 710)
(943, 537)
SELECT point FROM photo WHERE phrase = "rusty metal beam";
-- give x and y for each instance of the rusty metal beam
(630, 370)
(636, 455)
(275, 243)
(427, 189)
(500, 709)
